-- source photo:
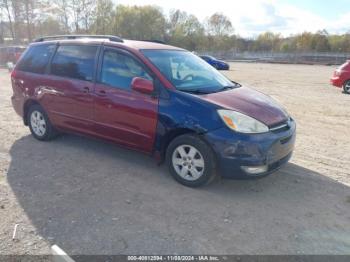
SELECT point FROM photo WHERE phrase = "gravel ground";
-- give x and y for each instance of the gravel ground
(91, 197)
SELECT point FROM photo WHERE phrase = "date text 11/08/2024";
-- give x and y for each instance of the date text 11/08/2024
(173, 258)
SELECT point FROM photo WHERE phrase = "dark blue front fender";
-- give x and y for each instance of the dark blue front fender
(181, 113)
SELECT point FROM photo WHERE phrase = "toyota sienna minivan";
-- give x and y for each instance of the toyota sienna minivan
(154, 98)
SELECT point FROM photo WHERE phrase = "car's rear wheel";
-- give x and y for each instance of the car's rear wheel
(346, 87)
(39, 124)
(191, 161)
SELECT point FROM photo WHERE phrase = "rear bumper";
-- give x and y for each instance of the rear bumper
(234, 150)
(17, 104)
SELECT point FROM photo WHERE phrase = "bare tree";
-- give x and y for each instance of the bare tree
(76, 9)
(1, 27)
(219, 25)
(63, 12)
(17, 13)
(29, 16)
(103, 17)
(88, 13)
(7, 7)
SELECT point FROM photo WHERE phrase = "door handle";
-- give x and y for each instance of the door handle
(86, 90)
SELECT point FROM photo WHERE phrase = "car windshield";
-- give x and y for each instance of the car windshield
(188, 72)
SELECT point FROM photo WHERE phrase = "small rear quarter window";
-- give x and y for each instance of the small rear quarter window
(36, 59)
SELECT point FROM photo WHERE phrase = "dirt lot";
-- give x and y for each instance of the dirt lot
(91, 197)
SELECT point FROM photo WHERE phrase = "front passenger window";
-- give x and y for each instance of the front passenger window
(118, 70)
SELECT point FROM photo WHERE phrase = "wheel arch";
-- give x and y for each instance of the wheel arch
(171, 135)
(26, 106)
(168, 137)
(344, 86)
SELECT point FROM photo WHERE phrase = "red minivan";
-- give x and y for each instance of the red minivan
(158, 99)
(341, 77)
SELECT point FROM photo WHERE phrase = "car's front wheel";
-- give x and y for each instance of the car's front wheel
(39, 124)
(346, 87)
(191, 161)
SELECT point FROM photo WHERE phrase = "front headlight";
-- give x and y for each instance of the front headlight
(242, 123)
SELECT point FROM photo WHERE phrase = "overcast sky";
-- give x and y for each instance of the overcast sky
(250, 17)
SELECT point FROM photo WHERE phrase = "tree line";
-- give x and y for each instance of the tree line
(21, 21)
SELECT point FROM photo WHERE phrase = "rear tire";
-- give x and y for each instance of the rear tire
(191, 161)
(39, 124)
(346, 87)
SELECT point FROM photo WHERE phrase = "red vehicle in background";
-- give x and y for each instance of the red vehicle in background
(10, 54)
(341, 77)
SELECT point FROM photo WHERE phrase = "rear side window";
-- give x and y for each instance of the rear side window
(36, 59)
(74, 61)
(119, 69)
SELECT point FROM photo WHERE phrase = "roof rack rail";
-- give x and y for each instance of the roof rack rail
(155, 41)
(57, 37)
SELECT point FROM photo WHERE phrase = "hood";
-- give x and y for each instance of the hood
(250, 102)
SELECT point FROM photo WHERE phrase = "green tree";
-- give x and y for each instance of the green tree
(140, 22)
(185, 30)
(219, 25)
(219, 30)
(49, 26)
(104, 18)
(320, 42)
(268, 41)
(339, 43)
(304, 41)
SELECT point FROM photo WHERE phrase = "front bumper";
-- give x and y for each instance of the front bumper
(223, 67)
(337, 81)
(235, 150)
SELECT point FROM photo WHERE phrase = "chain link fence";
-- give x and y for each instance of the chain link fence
(321, 58)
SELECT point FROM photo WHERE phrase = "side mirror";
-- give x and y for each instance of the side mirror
(142, 85)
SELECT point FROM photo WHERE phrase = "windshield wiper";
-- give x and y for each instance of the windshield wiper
(204, 91)
(194, 91)
(224, 88)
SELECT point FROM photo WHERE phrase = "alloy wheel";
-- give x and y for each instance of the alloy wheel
(188, 162)
(38, 123)
(347, 87)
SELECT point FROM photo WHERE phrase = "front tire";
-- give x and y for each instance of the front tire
(39, 124)
(346, 87)
(191, 161)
